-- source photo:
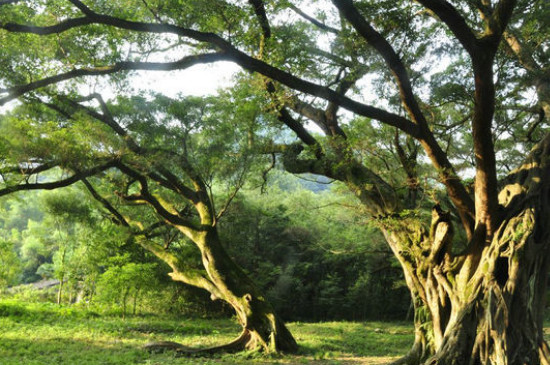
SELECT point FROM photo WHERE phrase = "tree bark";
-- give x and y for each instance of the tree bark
(482, 306)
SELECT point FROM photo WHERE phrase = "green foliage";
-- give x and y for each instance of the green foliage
(124, 282)
(10, 265)
(311, 252)
(314, 256)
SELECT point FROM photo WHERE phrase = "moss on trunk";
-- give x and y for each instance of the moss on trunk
(485, 304)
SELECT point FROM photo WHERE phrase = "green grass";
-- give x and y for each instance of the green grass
(40, 334)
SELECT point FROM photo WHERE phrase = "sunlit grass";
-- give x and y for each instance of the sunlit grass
(46, 334)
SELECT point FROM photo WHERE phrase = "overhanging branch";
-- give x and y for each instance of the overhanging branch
(456, 23)
(229, 52)
(185, 226)
(118, 218)
(77, 176)
(312, 20)
(186, 62)
(164, 177)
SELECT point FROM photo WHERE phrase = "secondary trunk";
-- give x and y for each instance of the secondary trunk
(225, 280)
(483, 304)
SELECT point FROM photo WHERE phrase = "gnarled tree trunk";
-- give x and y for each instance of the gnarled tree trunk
(225, 280)
(484, 305)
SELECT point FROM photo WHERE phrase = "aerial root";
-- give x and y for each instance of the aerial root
(238, 344)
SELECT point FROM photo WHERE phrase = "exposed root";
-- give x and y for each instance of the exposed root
(409, 359)
(416, 355)
(544, 353)
(405, 360)
(239, 344)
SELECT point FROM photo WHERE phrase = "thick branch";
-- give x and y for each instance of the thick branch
(287, 119)
(188, 276)
(180, 273)
(118, 218)
(376, 194)
(447, 174)
(302, 133)
(83, 8)
(456, 23)
(230, 53)
(259, 9)
(47, 30)
(183, 225)
(523, 52)
(392, 59)
(309, 111)
(457, 191)
(501, 17)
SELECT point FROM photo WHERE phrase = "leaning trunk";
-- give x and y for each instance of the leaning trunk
(262, 329)
(483, 304)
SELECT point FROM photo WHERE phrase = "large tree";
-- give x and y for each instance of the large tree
(446, 83)
(154, 168)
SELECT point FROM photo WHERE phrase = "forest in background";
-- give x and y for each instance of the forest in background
(304, 242)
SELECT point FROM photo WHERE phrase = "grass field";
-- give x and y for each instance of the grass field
(33, 334)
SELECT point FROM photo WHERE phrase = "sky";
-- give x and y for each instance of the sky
(199, 80)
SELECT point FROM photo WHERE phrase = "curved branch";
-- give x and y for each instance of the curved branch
(77, 176)
(392, 59)
(188, 276)
(47, 30)
(164, 177)
(302, 133)
(229, 53)
(447, 173)
(117, 217)
(456, 23)
(31, 168)
(148, 197)
(168, 180)
(312, 20)
(374, 192)
(185, 62)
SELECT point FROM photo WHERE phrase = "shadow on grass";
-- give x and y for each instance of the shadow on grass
(83, 352)
(63, 351)
(47, 334)
(39, 315)
(355, 339)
